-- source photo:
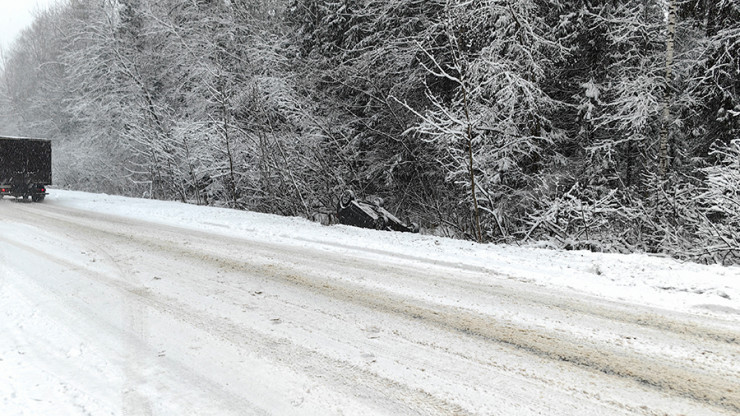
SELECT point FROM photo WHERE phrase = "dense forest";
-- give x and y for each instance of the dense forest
(581, 124)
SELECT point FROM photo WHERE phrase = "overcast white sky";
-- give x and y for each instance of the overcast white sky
(16, 15)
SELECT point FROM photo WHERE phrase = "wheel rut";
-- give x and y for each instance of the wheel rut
(651, 370)
(354, 381)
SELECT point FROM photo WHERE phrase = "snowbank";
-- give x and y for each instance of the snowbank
(637, 278)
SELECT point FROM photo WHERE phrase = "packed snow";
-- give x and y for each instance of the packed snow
(122, 330)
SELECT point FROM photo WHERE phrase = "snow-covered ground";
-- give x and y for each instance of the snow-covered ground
(112, 305)
(637, 278)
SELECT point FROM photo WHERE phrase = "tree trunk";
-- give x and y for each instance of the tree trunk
(479, 235)
(225, 125)
(663, 157)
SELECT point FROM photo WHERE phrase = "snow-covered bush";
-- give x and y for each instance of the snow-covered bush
(720, 200)
(698, 218)
(587, 217)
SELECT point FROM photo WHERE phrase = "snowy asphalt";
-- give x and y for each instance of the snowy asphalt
(109, 314)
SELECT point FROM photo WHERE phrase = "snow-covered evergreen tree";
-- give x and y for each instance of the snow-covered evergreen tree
(560, 121)
(492, 131)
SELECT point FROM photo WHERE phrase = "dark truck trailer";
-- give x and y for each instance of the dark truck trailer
(25, 167)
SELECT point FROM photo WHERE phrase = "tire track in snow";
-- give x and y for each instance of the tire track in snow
(705, 388)
(130, 406)
(391, 395)
(612, 311)
(652, 371)
(512, 288)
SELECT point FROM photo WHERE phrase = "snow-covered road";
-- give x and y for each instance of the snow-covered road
(200, 311)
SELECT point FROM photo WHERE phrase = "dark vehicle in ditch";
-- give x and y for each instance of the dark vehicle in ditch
(369, 214)
(25, 167)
